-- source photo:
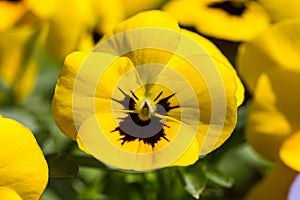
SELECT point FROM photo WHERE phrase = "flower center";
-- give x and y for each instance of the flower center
(145, 109)
(231, 7)
(142, 122)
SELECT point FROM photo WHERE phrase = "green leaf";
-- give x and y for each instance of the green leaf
(219, 178)
(61, 166)
(194, 180)
(85, 161)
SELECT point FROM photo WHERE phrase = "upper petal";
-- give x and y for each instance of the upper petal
(148, 37)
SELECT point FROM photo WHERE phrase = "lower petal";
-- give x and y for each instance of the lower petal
(97, 137)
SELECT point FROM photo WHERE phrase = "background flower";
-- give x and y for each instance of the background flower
(279, 12)
(272, 75)
(229, 20)
(23, 169)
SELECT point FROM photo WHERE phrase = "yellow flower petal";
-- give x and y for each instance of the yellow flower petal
(96, 132)
(65, 29)
(18, 68)
(220, 60)
(67, 94)
(134, 6)
(42, 9)
(164, 40)
(62, 99)
(289, 151)
(266, 126)
(279, 12)
(108, 14)
(274, 186)
(22, 165)
(277, 47)
(219, 22)
(10, 13)
(9, 194)
(203, 87)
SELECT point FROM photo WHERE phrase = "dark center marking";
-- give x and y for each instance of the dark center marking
(129, 103)
(232, 8)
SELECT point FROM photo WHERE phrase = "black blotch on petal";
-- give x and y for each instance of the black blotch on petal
(126, 123)
(148, 140)
(166, 104)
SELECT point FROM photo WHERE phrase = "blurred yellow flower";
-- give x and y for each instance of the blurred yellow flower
(269, 65)
(71, 23)
(10, 13)
(234, 20)
(23, 168)
(275, 185)
(134, 103)
(289, 151)
(281, 9)
(134, 6)
(18, 64)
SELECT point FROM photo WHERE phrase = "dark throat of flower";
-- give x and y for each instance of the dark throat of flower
(133, 121)
(231, 7)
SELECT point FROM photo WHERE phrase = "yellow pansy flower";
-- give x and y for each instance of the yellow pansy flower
(23, 168)
(150, 95)
(18, 65)
(269, 65)
(230, 20)
(281, 9)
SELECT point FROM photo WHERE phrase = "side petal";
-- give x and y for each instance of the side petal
(86, 84)
(62, 99)
(216, 84)
(23, 167)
